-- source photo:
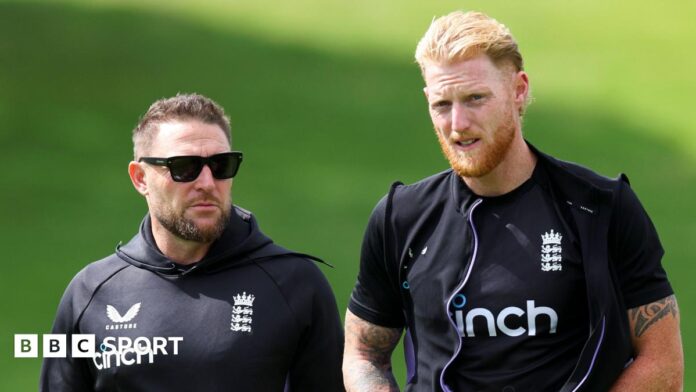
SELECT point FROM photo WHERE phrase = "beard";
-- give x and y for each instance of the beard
(186, 229)
(486, 157)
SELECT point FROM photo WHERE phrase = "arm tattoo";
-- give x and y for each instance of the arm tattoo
(377, 343)
(643, 317)
(370, 368)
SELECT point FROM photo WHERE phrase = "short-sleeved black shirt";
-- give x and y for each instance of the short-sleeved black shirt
(521, 310)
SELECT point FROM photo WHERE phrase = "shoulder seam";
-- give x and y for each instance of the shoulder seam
(94, 292)
(277, 286)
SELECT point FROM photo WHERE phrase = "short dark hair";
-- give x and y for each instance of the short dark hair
(180, 107)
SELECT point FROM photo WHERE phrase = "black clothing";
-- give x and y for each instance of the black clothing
(420, 252)
(250, 316)
(502, 345)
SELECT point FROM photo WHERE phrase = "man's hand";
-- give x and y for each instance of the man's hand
(659, 360)
(367, 356)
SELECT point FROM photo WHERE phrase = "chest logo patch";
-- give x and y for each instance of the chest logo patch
(122, 322)
(242, 311)
(551, 251)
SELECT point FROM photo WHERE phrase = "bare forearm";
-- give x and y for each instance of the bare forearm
(646, 375)
(367, 356)
(659, 361)
(364, 376)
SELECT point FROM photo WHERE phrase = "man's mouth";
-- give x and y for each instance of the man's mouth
(204, 205)
(465, 144)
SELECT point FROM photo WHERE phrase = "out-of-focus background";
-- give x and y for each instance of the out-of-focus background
(327, 105)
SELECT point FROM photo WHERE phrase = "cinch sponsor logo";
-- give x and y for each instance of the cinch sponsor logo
(123, 351)
(500, 323)
(112, 352)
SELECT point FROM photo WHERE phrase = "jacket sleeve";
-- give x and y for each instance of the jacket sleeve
(316, 361)
(67, 374)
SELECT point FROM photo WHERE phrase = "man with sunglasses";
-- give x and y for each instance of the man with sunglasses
(200, 299)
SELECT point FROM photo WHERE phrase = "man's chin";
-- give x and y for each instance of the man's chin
(469, 171)
(207, 225)
(467, 165)
(478, 163)
(205, 233)
(210, 226)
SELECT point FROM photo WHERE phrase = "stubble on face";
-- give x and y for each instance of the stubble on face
(173, 205)
(186, 229)
(484, 158)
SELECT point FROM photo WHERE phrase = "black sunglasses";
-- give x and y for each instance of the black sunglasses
(187, 168)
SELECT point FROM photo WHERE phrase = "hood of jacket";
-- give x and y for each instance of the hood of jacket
(241, 242)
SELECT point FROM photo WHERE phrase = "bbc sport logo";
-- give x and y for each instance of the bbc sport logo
(113, 351)
(54, 345)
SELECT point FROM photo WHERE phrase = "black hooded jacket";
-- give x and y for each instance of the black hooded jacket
(250, 316)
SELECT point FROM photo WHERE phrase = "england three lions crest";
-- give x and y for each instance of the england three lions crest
(551, 252)
(242, 312)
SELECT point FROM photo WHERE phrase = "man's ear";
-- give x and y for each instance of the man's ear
(137, 176)
(521, 87)
(425, 91)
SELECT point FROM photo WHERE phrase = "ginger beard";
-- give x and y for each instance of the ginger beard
(485, 157)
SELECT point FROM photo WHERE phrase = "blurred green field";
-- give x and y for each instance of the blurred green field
(326, 104)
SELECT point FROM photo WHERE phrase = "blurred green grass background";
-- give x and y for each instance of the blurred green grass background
(326, 104)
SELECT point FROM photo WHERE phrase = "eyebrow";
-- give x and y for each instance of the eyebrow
(460, 91)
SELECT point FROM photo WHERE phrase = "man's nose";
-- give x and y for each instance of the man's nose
(205, 179)
(460, 117)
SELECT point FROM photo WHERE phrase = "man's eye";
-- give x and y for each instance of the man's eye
(476, 97)
(440, 104)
